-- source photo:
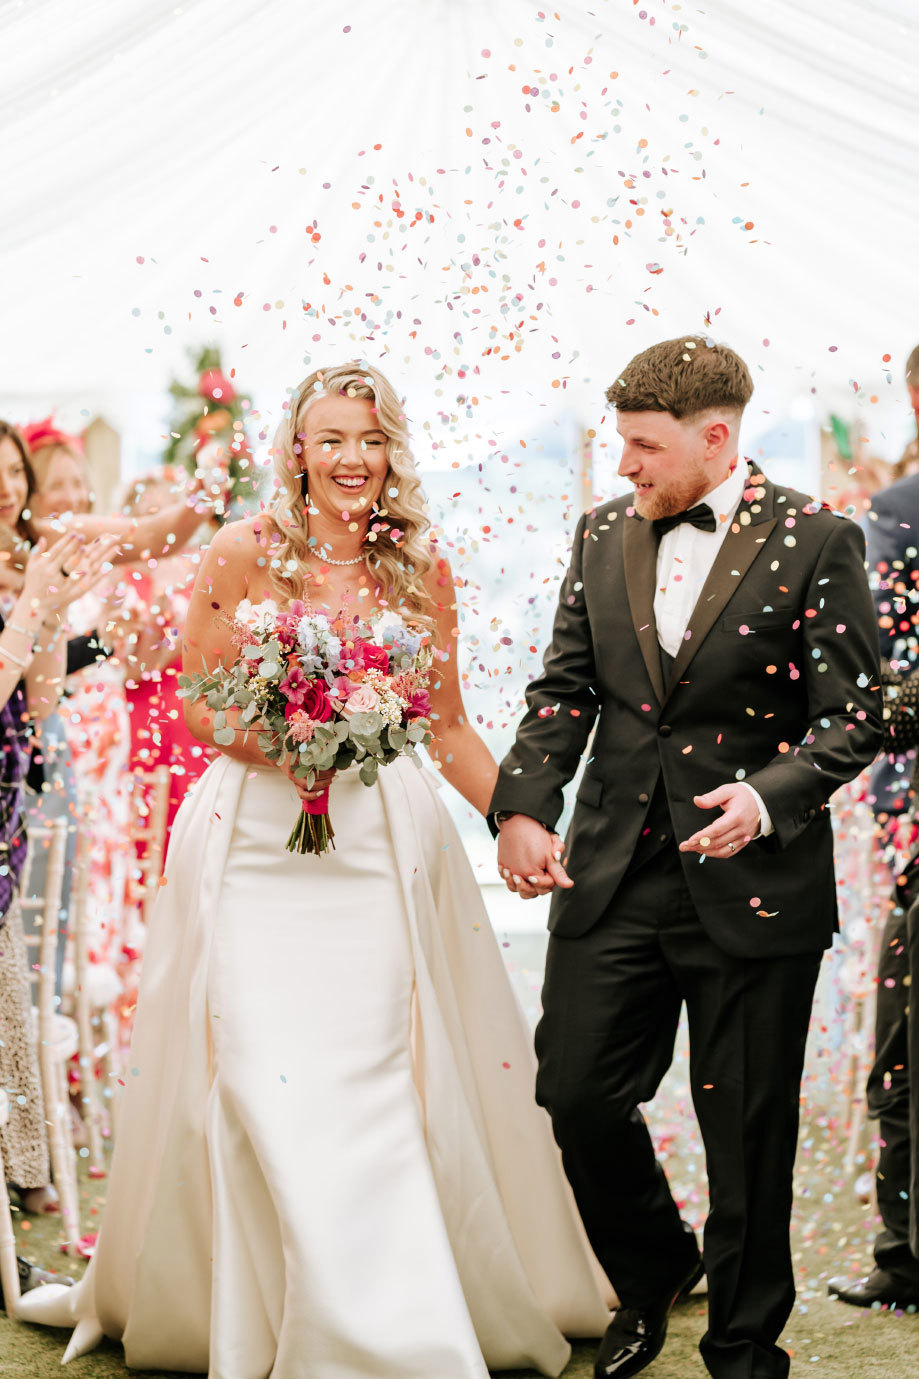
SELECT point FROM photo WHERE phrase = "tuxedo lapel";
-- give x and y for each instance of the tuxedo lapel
(752, 524)
(639, 558)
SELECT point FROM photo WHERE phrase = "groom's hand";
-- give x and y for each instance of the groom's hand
(530, 858)
(725, 836)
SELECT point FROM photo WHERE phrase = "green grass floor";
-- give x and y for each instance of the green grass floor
(832, 1232)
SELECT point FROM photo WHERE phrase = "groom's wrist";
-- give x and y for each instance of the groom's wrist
(501, 816)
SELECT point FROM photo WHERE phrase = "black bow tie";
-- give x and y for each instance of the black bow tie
(700, 516)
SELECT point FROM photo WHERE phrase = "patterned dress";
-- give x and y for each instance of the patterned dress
(23, 1140)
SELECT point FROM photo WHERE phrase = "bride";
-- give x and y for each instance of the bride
(329, 1161)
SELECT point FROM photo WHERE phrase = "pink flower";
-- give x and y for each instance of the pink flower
(370, 657)
(418, 705)
(294, 687)
(316, 703)
(343, 688)
(302, 727)
(362, 700)
(215, 386)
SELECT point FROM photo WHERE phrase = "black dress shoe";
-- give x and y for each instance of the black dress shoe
(635, 1337)
(878, 1289)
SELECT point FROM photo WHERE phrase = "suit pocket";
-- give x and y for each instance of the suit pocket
(590, 791)
(759, 620)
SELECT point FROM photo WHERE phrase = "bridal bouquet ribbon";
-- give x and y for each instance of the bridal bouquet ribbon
(322, 694)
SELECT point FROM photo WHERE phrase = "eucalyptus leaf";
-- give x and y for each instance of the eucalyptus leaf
(397, 737)
(269, 670)
(369, 771)
(365, 725)
(224, 737)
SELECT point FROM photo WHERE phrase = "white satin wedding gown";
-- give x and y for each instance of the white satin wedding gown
(329, 1163)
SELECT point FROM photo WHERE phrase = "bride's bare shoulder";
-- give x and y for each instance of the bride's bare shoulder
(249, 537)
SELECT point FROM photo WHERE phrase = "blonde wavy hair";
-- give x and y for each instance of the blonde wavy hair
(398, 546)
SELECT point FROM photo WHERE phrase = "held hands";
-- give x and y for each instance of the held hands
(56, 575)
(730, 833)
(529, 858)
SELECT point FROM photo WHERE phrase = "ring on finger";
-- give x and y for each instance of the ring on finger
(732, 847)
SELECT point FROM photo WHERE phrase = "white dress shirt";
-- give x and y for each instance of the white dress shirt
(685, 557)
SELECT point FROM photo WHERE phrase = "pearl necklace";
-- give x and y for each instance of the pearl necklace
(327, 560)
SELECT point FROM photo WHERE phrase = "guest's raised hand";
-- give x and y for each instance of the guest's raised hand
(530, 858)
(58, 574)
(725, 836)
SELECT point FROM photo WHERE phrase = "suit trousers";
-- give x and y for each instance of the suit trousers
(611, 1005)
(893, 1084)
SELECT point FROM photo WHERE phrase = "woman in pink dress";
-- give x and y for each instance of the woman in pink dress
(154, 599)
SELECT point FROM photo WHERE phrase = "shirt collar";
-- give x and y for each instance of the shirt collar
(725, 499)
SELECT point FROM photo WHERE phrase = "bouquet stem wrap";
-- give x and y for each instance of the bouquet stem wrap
(313, 830)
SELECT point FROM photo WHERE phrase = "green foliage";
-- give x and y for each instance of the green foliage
(211, 426)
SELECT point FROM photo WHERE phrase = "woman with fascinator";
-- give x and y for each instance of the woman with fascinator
(329, 1159)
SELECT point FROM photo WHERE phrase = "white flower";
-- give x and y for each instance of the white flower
(310, 629)
(261, 617)
(386, 627)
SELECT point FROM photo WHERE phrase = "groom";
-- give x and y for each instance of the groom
(716, 635)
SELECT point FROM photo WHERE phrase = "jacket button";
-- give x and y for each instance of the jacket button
(664, 730)
(643, 798)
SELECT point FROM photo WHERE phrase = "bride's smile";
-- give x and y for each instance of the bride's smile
(345, 457)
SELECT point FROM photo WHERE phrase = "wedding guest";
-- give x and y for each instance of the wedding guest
(27, 517)
(146, 629)
(32, 661)
(893, 1084)
(60, 484)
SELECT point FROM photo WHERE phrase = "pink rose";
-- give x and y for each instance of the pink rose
(362, 700)
(371, 657)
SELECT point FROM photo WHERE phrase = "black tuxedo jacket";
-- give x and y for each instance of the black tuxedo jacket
(776, 683)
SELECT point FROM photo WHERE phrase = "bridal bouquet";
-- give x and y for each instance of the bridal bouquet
(323, 693)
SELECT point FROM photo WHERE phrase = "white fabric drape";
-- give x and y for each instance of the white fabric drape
(214, 139)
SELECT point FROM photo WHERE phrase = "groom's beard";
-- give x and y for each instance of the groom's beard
(676, 496)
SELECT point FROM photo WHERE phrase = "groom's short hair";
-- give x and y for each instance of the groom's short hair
(685, 376)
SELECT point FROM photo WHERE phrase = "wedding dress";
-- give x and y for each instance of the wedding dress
(329, 1162)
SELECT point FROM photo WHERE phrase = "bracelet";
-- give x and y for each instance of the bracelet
(17, 661)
